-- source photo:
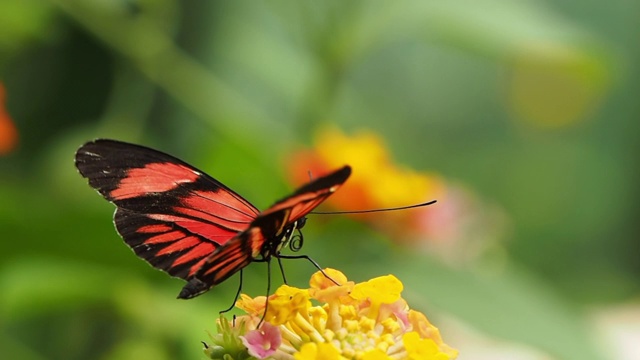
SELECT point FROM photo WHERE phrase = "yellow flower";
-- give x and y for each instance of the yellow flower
(364, 321)
(376, 354)
(381, 290)
(253, 306)
(325, 289)
(381, 181)
(384, 289)
(286, 304)
(419, 349)
(321, 351)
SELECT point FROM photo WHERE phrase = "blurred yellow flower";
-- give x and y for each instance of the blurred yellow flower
(377, 182)
(552, 86)
(365, 321)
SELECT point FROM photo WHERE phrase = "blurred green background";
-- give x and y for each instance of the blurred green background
(531, 106)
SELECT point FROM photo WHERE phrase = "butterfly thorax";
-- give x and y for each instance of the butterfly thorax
(274, 245)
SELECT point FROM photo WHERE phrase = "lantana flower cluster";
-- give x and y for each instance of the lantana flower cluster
(368, 321)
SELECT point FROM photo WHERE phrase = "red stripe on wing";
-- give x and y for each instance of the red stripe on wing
(154, 228)
(183, 243)
(166, 246)
(221, 205)
(213, 232)
(224, 262)
(200, 253)
(163, 237)
(153, 178)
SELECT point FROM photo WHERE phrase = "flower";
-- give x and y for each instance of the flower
(262, 342)
(459, 227)
(376, 182)
(321, 351)
(552, 86)
(227, 344)
(365, 321)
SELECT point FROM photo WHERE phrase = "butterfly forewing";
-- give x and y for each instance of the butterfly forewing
(140, 179)
(309, 196)
(170, 213)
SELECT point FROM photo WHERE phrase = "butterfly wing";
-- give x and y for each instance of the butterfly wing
(264, 230)
(171, 214)
(309, 196)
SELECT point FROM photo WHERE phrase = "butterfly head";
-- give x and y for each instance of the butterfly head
(288, 238)
(300, 223)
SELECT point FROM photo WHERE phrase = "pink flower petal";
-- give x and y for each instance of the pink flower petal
(262, 342)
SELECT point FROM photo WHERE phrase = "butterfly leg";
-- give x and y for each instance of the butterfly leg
(266, 301)
(284, 278)
(279, 256)
(233, 304)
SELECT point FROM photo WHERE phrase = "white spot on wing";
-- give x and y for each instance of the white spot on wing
(92, 154)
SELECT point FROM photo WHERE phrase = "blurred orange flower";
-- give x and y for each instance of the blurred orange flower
(8, 131)
(379, 182)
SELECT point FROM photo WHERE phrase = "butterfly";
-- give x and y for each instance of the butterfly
(188, 224)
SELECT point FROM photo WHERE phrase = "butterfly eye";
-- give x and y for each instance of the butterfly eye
(300, 223)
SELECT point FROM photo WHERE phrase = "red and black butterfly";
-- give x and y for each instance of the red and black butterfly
(187, 223)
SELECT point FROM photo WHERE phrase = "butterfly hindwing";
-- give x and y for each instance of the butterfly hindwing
(237, 253)
(164, 245)
(264, 234)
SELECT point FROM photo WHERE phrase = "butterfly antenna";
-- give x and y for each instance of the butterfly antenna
(233, 304)
(374, 210)
(284, 278)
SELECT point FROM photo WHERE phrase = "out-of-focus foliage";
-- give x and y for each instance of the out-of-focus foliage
(525, 111)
